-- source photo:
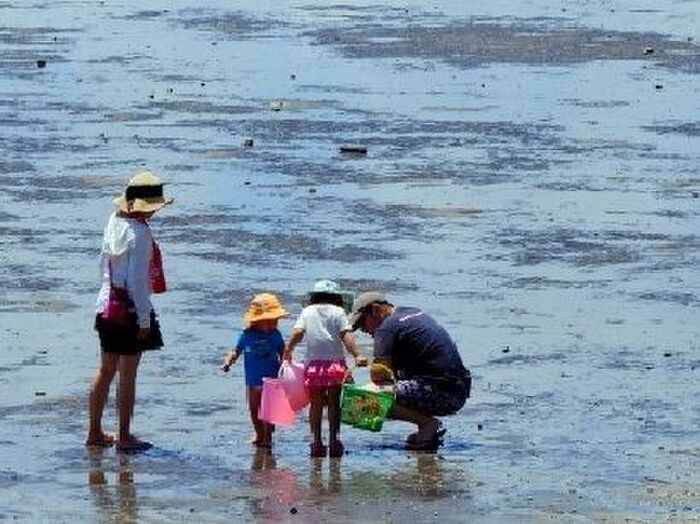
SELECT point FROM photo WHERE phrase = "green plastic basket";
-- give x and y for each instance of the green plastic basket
(365, 408)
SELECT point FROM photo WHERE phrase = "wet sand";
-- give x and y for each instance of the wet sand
(530, 180)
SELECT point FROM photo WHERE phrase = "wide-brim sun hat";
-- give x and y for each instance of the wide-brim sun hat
(264, 306)
(361, 302)
(327, 286)
(143, 194)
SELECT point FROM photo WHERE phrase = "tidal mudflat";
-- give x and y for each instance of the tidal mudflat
(530, 178)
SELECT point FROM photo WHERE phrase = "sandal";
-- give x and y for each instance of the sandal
(317, 449)
(424, 445)
(336, 449)
(413, 437)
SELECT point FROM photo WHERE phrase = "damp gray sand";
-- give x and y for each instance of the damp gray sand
(528, 175)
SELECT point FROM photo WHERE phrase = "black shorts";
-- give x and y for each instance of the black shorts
(115, 338)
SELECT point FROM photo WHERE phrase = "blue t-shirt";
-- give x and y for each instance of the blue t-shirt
(262, 354)
(419, 347)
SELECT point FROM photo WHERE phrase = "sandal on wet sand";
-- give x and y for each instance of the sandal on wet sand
(133, 445)
(101, 441)
(413, 438)
(336, 449)
(425, 445)
(317, 449)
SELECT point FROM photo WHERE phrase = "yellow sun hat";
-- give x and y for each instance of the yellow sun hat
(264, 306)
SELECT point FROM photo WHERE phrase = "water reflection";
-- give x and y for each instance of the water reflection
(120, 502)
(316, 477)
(278, 487)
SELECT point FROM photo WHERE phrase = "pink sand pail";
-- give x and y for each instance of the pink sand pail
(274, 405)
(292, 377)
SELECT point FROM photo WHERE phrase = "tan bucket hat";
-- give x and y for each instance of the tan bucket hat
(144, 194)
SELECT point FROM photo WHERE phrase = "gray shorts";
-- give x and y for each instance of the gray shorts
(430, 398)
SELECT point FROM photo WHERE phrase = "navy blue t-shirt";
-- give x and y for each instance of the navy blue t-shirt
(419, 347)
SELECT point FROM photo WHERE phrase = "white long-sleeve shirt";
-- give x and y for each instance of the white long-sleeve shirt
(128, 244)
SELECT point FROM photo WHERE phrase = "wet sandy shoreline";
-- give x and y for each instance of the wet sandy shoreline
(530, 180)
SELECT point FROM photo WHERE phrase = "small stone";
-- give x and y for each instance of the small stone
(276, 106)
(506, 349)
(695, 194)
(659, 86)
(356, 149)
(479, 427)
(667, 354)
(293, 76)
(202, 84)
(312, 190)
(649, 51)
(41, 64)
(247, 183)
(247, 142)
(40, 393)
(293, 510)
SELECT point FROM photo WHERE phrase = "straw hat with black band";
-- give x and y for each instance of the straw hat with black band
(144, 194)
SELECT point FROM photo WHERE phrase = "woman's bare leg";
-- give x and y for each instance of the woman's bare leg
(99, 391)
(128, 366)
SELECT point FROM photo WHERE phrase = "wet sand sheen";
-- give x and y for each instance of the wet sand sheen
(529, 179)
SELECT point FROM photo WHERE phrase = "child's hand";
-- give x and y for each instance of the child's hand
(287, 355)
(228, 362)
(360, 361)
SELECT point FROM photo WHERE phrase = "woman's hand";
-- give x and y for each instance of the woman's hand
(143, 334)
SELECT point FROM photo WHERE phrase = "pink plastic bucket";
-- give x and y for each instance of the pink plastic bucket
(292, 376)
(274, 405)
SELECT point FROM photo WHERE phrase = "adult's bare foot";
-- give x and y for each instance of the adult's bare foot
(133, 444)
(99, 440)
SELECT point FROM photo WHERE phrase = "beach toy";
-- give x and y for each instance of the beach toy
(367, 406)
(292, 377)
(274, 405)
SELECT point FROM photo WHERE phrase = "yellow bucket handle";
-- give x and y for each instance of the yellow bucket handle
(390, 371)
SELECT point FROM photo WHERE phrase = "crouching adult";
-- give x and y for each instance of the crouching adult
(430, 378)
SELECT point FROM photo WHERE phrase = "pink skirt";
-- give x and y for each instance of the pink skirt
(324, 373)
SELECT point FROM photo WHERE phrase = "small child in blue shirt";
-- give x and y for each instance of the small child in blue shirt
(262, 346)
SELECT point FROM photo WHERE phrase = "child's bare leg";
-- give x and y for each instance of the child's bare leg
(254, 398)
(98, 397)
(334, 413)
(317, 397)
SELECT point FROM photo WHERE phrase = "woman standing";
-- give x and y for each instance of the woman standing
(131, 269)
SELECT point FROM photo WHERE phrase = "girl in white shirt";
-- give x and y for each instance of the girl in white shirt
(327, 330)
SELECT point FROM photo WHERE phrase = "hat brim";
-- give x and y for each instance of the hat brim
(355, 320)
(142, 205)
(274, 314)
